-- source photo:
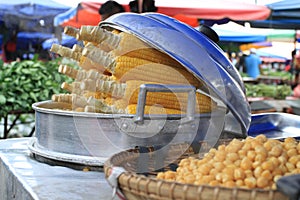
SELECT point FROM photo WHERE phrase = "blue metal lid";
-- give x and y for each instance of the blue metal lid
(196, 52)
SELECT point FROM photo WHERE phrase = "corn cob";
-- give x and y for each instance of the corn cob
(77, 48)
(100, 106)
(146, 53)
(77, 56)
(121, 43)
(120, 65)
(75, 100)
(65, 51)
(129, 92)
(83, 74)
(131, 109)
(152, 55)
(176, 101)
(113, 88)
(66, 98)
(84, 33)
(96, 95)
(71, 31)
(129, 45)
(106, 87)
(131, 62)
(71, 72)
(125, 68)
(74, 87)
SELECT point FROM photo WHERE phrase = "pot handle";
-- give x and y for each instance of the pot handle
(144, 88)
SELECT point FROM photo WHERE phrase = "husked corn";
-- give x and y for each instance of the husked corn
(129, 92)
(71, 31)
(264, 175)
(113, 66)
(121, 107)
(162, 70)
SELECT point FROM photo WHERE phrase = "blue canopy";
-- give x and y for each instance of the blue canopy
(232, 32)
(232, 36)
(30, 15)
(67, 41)
(263, 54)
(284, 15)
(27, 39)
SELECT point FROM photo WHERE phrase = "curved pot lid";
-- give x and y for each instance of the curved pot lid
(213, 50)
(194, 56)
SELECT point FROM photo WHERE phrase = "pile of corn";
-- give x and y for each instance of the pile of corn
(251, 163)
(114, 65)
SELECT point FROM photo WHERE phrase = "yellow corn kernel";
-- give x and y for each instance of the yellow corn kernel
(298, 165)
(246, 163)
(282, 159)
(160, 175)
(290, 167)
(178, 101)
(240, 183)
(219, 166)
(249, 173)
(131, 109)
(220, 156)
(153, 55)
(71, 31)
(214, 183)
(277, 171)
(258, 171)
(255, 164)
(242, 153)
(170, 175)
(292, 152)
(268, 165)
(262, 138)
(127, 68)
(267, 175)
(251, 155)
(250, 182)
(239, 174)
(230, 184)
(261, 182)
(96, 95)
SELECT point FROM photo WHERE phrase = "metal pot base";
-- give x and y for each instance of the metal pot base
(77, 162)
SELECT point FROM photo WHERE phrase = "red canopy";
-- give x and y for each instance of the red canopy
(188, 11)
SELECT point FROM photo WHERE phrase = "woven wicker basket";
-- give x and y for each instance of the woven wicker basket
(137, 182)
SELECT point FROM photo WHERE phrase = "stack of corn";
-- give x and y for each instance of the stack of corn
(114, 65)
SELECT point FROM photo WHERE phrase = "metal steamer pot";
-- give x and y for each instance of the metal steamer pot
(91, 138)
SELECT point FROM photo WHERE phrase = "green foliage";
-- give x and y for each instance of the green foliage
(283, 74)
(26, 82)
(264, 90)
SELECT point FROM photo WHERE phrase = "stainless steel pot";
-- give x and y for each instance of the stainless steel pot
(92, 137)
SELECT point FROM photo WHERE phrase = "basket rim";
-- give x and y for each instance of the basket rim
(126, 179)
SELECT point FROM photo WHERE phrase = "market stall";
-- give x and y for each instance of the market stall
(31, 16)
(188, 11)
(80, 147)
